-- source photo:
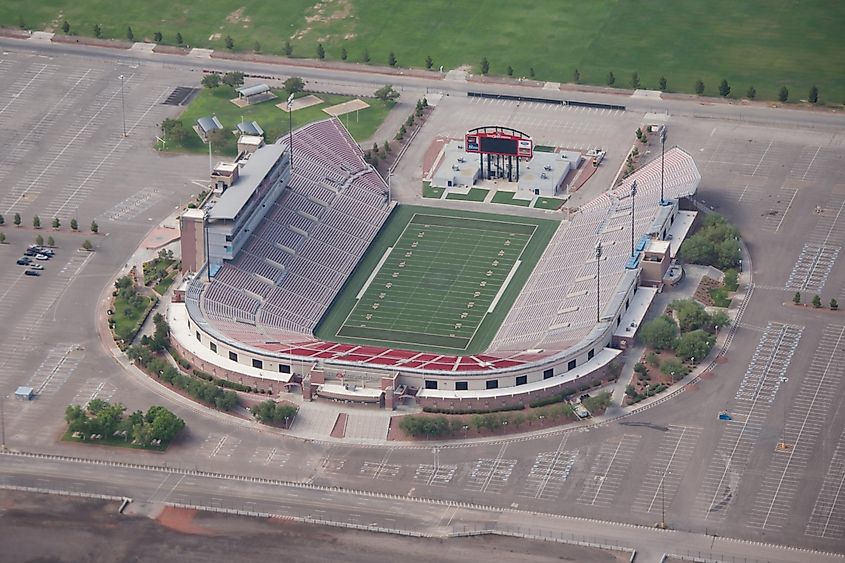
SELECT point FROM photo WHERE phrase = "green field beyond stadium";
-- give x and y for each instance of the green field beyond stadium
(437, 280)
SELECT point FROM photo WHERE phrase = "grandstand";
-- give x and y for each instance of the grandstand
(257, 312)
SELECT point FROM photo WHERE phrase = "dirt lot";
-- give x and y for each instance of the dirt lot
(45, 529)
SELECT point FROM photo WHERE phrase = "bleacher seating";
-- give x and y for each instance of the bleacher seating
(309, 242)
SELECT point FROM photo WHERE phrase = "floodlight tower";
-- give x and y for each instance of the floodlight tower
(633, 199)
(290, 129)
(598, 281)
(662, 160)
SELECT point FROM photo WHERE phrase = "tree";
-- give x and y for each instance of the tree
(256, 47)
(2, 238)
(164, 424)
(56, 223)
(531, 71)
(211, 80)
(366, 56)
(834, 305)
(699, 250)
(576, 76)
(695, 344)
(674, 368)
(428, 62)
(752, 93)
(179, 40)
(699, 87)
(95, 228)
(98, 30)
(86, 245)
(321, 52)
(232, 79)
(611, 79)
(173, 129)
(2, 220)
(730, 253)
(510, 70)
(294, 85)
(229, 42)
(401, 134)
(635, 80)
(375, 147)
(797, 298)
(386, 94)
(813, 97)
(659, 333)
(662, 85)
(36, 222)
(485, 65)
(391, 59)
(386, 147)
(157, 36)
(129, 35)
(724, 88)
(691, 315)
(39, 240)
(731, 280)
(720, 319)
(17, 220)
(288, 49)
(783, 94)
(817, 301)
(343, 54)
(65, 26)
(51, 242)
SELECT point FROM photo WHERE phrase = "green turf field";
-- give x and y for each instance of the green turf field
(437, 280)
(215, 101)
(764, 43)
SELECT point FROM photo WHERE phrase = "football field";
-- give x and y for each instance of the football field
(441, 282)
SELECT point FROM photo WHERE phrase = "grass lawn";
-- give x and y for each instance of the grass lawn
(437, 280)
(508, 199)
(154, 268)
(162, 286)
(215, 101)
(474, 194)
(113, 441)
(720, 297)
(430, 191)
(127, 325)
(764, 43)
(552, 203)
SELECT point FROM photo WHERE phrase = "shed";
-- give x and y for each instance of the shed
(206, 125)
(250, 128)
(252, 91)
(25, 393)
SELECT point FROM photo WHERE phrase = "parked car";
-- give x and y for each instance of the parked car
(41, 257)
(24, 261)
(36, 266)
(32, 273)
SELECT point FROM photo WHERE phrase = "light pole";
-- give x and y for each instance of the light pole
(2, 426)
(290, 129)
(662, 159)
(122, 105)
(662, 524)
(598, 281)
(633, 199)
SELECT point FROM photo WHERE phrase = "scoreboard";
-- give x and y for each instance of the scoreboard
(499, 143)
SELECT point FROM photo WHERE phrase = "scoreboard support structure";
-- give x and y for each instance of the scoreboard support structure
(497, 143)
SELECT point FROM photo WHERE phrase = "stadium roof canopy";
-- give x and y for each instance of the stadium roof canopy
(249, 177)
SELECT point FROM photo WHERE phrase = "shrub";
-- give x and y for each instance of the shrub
(640, 368)
(731, 280)
(652, 359)
(600, 401)
(674, 368)
(817, 301)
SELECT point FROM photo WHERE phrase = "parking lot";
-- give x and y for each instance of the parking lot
(780, 383)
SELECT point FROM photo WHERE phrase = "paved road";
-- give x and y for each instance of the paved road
(157, 485)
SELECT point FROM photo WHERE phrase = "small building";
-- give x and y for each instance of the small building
(250, 128)
(206, 125)
(655, 262)
(249, 143)
(224, 175)
(24, 393)
(248, 95)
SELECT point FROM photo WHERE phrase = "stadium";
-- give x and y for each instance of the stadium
(305, 275)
